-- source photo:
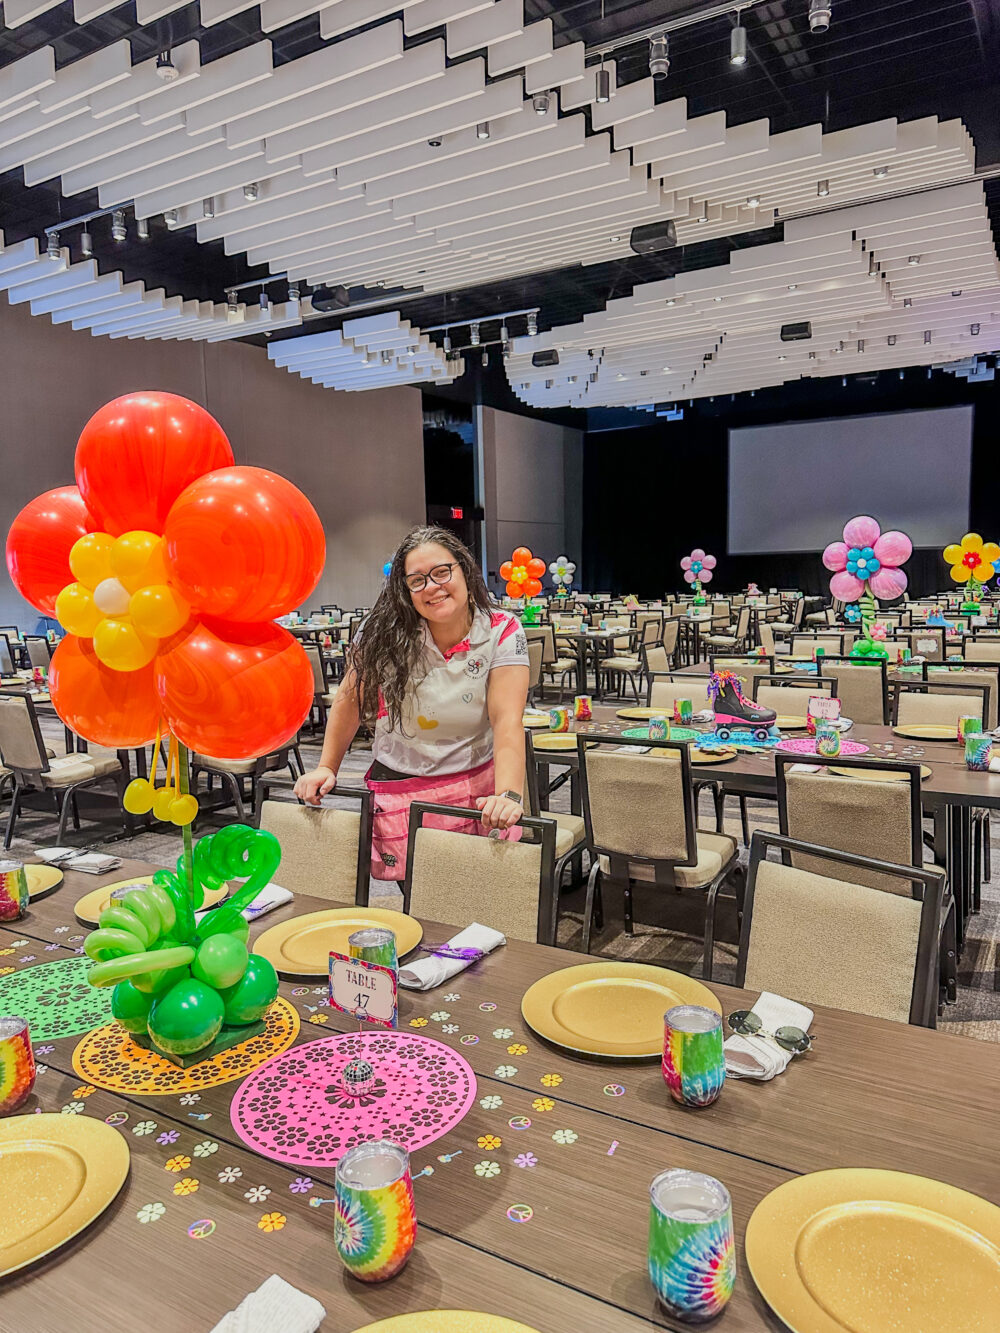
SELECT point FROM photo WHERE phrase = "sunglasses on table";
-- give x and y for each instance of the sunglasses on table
(439, 574)
(748, 1024)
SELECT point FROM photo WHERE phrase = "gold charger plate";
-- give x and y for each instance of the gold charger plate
(446, 1321)
(92, 904)
(42, 880)
(58, 1173)
(878, 774)
(558, 740)
(644, 714)
(302, 947)
(926, 731)
(610, 1009)
(861, 1251)
(529, 720)
(711, 756)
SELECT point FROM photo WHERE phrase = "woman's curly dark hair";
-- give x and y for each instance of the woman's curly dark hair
(388, 645)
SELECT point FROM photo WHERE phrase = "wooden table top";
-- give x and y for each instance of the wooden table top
(870, 1094)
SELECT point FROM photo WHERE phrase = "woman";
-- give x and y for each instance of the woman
(442, 677)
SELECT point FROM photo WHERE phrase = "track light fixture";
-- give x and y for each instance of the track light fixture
(118, 231)
(974, 330)
(264, 302)
(927, 337)
(250, 191)
(659, 56)
(165, 68)
(447, 342)
(52, 248)
(891, 340)
(86, 244)
(913, 259)
(753, 201)
(293, 291)
(820, 15)
(208, 208)
(540, 104)
(880, 173)
(474, 333)
(142, 228)
(907, 302)
(738, 45)
(172, 218)
(486, 359)
(602, 93)
(483, 130)
(822, 189)
(232, 302)
(532, 325)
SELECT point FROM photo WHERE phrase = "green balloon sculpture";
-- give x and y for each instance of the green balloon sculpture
(177, 981)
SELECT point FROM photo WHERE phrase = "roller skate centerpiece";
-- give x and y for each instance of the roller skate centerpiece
(736, 716)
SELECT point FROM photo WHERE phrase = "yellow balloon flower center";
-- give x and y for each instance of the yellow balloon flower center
(122, 597)
(519, 574)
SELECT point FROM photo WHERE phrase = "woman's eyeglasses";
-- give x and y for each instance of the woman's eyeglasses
(439, 574)
(748, 1024)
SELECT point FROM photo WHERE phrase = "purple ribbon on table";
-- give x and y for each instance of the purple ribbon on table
(446, 951)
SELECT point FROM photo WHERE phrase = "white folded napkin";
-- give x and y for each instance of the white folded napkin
(761, 1057)
(426, 973)
(703, 715)
(92, 863)
(270, 897)
(275, 1304)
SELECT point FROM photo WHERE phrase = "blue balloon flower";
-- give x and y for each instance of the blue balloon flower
(852, 613)
(862, 562)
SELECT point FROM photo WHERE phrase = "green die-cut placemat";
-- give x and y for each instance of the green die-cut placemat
(676, 733)
(56, 999)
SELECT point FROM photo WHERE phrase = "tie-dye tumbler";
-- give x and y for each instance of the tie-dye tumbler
(376, 1223)
(692, 1260)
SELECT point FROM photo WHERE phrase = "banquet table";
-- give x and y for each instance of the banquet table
(871, 1093)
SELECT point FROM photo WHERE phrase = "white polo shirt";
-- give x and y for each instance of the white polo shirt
(445, 725)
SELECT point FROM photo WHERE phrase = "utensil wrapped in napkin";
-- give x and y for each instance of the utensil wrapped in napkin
(760, 1056)
(271, 897)
(275, 1304)
(447, 960)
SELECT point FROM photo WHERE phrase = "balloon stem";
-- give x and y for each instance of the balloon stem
(182, 780)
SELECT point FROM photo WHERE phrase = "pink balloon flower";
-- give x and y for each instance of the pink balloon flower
(867, 556)
(698, 566)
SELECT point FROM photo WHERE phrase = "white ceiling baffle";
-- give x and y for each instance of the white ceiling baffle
(367, 353)
(906, 281)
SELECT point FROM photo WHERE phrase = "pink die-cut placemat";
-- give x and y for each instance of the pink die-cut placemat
(294, 1108)
(807, 745)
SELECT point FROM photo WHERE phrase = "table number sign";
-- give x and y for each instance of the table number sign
(366, 991)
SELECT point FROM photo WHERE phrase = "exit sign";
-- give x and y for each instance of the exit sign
(457, 511)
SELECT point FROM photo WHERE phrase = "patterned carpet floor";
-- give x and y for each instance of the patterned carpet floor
(667, 929)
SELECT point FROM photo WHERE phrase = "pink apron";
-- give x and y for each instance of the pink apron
(391, 812)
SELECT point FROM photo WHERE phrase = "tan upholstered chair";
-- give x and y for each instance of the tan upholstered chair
(789, 695)
(456, 878)
(26, 757)
(39, 650)
(831, 940)
(325, 851)
(747, 668)
(641, 822)
(623, 662)
(866, 817)
(976, 676)
(938, 702)
(766, 632)
(534, 667)
(735, 641)
(862, 687)
(571, 830)
(555, 668)
(233, 773)
(805, 645)
(662, 690)
(982, 649)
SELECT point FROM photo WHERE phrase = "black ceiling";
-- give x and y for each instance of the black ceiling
(903, 58)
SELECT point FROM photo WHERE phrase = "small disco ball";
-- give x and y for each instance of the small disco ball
(358, 1077)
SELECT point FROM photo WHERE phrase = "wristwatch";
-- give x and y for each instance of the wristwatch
(512, 796)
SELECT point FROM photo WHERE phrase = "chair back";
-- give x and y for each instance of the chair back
(638, 807)
(512, 881)
(838, 644)
(743, 623)
(654, 658)
(651, 629)
(535, 651)
(927, 643)
(862, 684)
(788, 697)
(6, 658)
(671, 629)
(39, 650)
(938, 702)
(861, 814)
(542, 634)
(314, 653)
(976, 676)
(663, 690)
(21, 746)
(325, 852)
(985, 649)
(766, 633)
(747, 668)
(830, 940)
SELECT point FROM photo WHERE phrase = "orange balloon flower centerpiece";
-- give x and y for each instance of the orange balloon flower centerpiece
(166, 564)
(523, 573)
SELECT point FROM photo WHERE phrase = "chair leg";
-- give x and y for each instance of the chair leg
(230, 781)
(949, 957)
(15, 807)
(708, 959)
(64, 799)
(76, 812)
(629, 922)
(719, 797)
(986, 847)
(588, 910)
(744, 821)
